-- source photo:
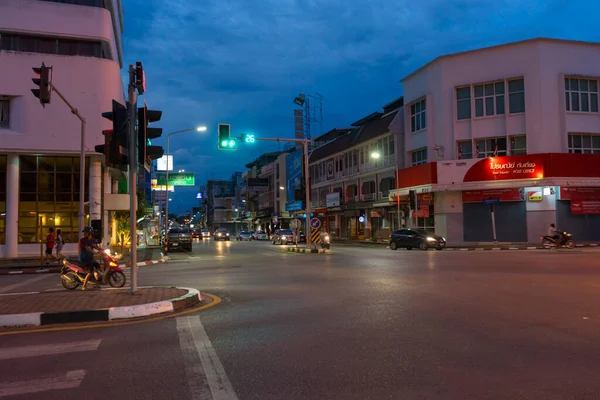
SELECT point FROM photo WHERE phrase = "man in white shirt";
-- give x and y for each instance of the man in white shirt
(553, 232)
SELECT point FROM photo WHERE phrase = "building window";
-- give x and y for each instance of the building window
(49, 197)
(54, 45)
(490, 147)
(463, 102)
(3, 162)
(581, 95)
(584, 144)
(418, 116)
(518, 145)
(516, 96)
(419, 156)
(4, 111)
(464, 149)
(489, 99)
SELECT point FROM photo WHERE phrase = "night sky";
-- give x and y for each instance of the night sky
(243, 61)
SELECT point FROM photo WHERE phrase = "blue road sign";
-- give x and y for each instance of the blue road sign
(491, 201)
(315, 223)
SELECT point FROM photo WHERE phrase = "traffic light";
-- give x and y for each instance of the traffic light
(148, 153)
(44, 82)
(115, 139)
(226, 142)
(248, 138)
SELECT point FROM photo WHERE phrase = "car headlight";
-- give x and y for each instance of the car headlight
(228, 234)
(431, 239)
(284, 238)
(443, 239)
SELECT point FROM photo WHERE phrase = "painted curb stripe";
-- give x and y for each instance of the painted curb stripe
(189, 299)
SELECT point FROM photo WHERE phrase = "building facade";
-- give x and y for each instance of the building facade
(502, 141)
(222, 204)
(39, 146)
(352, 173)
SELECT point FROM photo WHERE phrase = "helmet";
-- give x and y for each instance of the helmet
(87, 229)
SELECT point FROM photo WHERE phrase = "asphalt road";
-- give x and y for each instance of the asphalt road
(361, 323)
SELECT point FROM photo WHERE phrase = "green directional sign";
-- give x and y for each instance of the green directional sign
(176, 179)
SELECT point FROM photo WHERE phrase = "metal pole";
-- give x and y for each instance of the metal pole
(167, 192)
(493, 222)
(82, 177)
(81, 157)
(307, 194)
(133, 162)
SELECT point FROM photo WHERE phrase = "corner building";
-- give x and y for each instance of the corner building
(39, 146)
(513, 129)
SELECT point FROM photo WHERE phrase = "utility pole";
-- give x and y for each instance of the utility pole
(133, 166)
(306, 180)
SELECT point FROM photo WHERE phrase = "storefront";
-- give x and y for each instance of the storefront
(507, 199)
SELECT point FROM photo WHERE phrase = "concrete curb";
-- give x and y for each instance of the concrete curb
(193, 297)
(307, 251)
(56, 269)
(512, 248)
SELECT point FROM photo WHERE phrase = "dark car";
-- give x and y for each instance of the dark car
(409, 238)
(222, 234)
(196, 233)
(179, 238)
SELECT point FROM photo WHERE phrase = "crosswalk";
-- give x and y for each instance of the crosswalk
(49, 379)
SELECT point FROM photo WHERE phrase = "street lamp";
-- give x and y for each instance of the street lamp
(376, 155)
(197, 129)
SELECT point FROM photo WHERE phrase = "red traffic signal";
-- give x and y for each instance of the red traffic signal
(44, 82)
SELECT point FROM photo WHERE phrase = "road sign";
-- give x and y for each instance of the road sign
(315, 223)
(296, 223)
(176, 179)
(315, 236)
(491, 201)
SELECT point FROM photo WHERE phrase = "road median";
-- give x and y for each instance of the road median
(99, 305)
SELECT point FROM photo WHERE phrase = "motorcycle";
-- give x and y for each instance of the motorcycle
(325, 241)
(72, 274)
(563, 240)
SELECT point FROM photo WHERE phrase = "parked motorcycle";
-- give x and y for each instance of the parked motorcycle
(325, 241)
(72, 274)
(563, 240)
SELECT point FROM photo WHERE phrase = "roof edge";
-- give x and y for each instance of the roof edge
(535, 39)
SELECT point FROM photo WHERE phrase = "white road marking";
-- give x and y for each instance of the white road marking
(192, 336)
(49, 349)
(70, 380)
(25, 282)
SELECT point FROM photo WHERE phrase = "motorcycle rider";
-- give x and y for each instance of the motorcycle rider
(86, 255)
(553, 233)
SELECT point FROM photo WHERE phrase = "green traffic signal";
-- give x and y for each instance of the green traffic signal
(226, 142)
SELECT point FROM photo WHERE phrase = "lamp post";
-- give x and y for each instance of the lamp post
(198, 129)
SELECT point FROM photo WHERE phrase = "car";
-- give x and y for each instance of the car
(282, 236)
(260, 235)
(244, 235)
(222, 234)
(196, 233)
(409, 238)
(205, 234)
(179, 238)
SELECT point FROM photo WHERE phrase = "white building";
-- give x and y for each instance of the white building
(529, 111)
(39, 146)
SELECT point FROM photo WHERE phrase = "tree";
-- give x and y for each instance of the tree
(123, 224)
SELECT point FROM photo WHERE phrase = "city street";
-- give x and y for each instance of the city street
(363, 322)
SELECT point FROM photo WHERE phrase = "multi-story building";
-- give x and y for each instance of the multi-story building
(502, 141)
(39, 146)
(352, 173)
(222, 203)
(260, 191)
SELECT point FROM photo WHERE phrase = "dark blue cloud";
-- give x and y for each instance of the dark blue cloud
(243, 62)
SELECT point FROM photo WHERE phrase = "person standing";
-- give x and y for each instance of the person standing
(49, 245)
(60, 242)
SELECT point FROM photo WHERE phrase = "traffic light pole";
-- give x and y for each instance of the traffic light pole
(81, 214)
(306, 180)
(133, 165)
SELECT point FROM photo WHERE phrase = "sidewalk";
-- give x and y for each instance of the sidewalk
(45, 308)
(28, 264)
(463, 246)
